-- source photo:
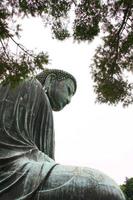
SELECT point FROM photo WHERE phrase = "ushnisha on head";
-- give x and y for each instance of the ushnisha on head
(59, 86)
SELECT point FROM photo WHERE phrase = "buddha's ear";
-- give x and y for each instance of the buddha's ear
(49, 80)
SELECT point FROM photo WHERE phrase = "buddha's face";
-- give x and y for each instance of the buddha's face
(60, 93)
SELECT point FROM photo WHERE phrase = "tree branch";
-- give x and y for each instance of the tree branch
(21, 47)
(125, 18)
(124, 21)
(4, 49)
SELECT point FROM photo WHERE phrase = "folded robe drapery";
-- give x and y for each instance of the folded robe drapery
(26, 139)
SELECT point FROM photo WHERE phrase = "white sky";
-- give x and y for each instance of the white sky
(87, 134)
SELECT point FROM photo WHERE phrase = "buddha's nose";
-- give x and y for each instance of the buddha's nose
(68, 100)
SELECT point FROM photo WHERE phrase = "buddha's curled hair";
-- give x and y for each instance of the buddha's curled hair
(59, 74)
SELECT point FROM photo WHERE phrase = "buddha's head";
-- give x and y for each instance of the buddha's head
(59, 86)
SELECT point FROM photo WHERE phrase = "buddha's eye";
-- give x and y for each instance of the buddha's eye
(69, 90)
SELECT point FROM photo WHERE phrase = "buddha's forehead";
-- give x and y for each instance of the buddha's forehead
(69, 83)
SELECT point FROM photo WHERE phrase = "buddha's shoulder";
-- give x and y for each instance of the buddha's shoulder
(28, 82)
(31, 81)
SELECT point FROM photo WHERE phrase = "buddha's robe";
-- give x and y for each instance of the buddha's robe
(26, 140)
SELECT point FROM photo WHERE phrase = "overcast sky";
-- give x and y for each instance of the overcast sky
(87, 134)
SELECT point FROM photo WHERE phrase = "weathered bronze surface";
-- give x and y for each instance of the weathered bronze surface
(27, 167)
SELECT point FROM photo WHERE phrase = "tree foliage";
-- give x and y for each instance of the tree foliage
(127, 188)
(112, 60)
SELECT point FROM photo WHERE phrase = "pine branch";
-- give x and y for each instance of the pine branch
(125, 18)
(122, 27)
(4, 49)
(21, 47)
